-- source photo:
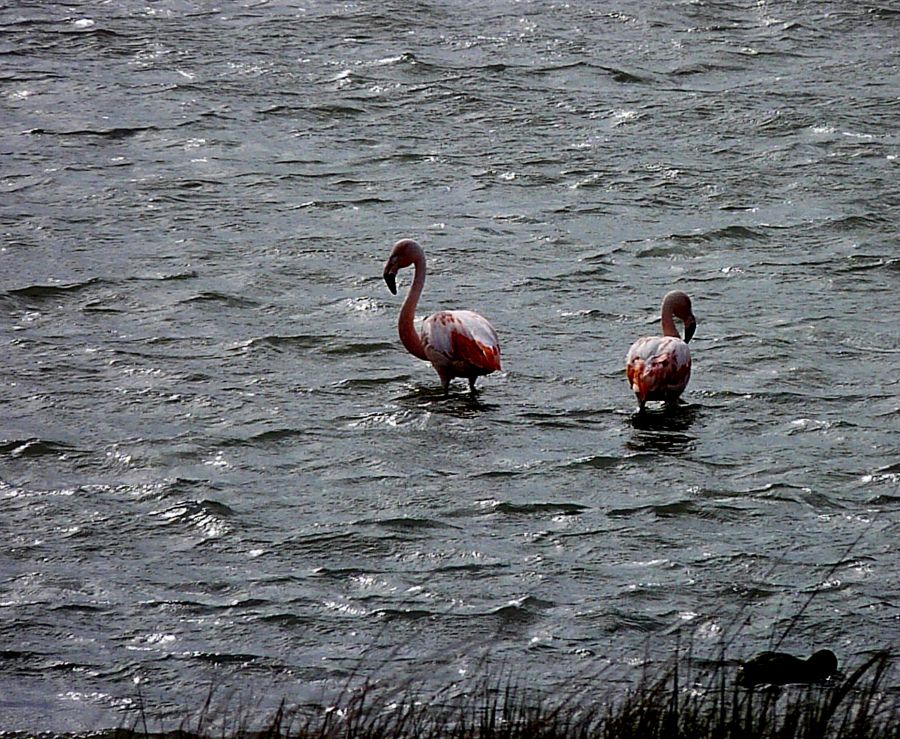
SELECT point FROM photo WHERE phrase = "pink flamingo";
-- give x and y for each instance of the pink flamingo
(458, 343)
(659, 367)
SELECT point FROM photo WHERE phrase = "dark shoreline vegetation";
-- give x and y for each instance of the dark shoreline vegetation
(671, 704)
(687, 696)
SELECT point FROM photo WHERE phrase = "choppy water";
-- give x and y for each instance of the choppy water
(217, 464)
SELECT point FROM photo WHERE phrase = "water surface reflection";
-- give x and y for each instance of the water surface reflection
(664, 431)
(455, 404)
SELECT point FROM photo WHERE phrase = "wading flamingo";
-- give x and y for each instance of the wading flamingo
(659, 367)
(458, 343)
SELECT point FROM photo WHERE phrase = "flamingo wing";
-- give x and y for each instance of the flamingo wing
(462, 339)
(658, 367)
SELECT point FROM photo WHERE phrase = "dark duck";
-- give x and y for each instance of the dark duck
(779, 668)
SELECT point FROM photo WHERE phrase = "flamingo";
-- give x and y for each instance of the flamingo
(458, 343)
(659, 367)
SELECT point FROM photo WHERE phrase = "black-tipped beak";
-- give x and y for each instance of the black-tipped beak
(390, 279)
(690, 326)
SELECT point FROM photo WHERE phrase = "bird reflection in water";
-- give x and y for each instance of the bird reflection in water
(664, 431)
(433, 400)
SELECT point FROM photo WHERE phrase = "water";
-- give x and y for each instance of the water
(218, 467)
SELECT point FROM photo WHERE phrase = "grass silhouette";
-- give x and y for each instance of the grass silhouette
(673, 704)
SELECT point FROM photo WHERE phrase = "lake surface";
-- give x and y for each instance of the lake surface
(218, 465)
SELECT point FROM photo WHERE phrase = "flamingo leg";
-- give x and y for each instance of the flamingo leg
(472, 383)
(445, 380)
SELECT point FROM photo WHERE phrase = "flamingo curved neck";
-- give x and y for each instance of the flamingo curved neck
(406, 324)
(668, 324)
(668, 311)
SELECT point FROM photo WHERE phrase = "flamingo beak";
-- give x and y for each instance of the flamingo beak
(690, 325)
(390, 279)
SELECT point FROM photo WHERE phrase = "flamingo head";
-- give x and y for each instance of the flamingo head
(690, 325)
(404, 253)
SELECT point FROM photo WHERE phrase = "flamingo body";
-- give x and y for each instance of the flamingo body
(659, 367)
(461, 343)
(458, 343)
